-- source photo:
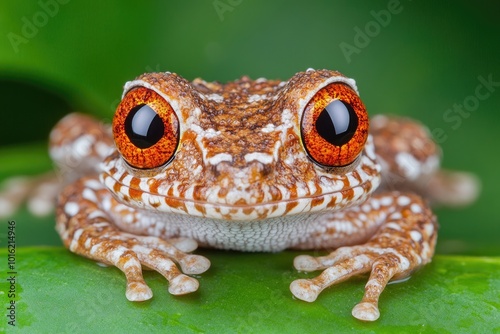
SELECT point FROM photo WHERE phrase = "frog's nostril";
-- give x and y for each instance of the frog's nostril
(256, 172)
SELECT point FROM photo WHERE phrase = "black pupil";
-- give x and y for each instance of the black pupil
(143, 126)
(337, 123)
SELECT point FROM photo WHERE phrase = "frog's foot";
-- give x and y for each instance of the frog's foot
(452, 188)
(402, 244)
(88, 229)
(345, 263)
(410, 161)
(38, 192)
(160, 255)
(130, 253)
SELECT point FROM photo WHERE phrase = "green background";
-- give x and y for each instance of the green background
(425, 57)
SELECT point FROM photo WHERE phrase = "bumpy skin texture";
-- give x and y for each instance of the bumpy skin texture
(241, 179)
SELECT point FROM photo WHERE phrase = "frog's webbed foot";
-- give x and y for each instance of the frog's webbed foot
(404, 242)
(88, 230)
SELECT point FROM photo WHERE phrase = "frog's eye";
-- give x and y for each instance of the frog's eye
(334, 126)
(146, 129)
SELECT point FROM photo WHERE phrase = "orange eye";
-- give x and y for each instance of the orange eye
(146, 129)
(334, 126)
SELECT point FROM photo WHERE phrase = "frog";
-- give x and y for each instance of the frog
(256, 166)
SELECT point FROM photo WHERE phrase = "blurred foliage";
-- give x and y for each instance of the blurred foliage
(422, 60)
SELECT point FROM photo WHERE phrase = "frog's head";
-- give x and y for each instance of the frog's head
(245, 150)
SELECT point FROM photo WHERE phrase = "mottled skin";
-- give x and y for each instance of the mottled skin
(240, 178)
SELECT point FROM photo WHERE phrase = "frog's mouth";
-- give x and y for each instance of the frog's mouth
(349, 189)
(244, 212)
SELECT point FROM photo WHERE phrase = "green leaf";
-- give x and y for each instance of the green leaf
(57, 291)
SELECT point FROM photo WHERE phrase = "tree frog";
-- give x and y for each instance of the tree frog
(250, 165)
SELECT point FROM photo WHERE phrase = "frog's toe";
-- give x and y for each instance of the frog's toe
(184, 244)
(306, 263)
(194, 264)
(305, 290)
(182, 285)
(366, 311)
(138, 292)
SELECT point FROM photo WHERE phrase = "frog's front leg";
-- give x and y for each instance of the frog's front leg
(86, 221)
(405, 237)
